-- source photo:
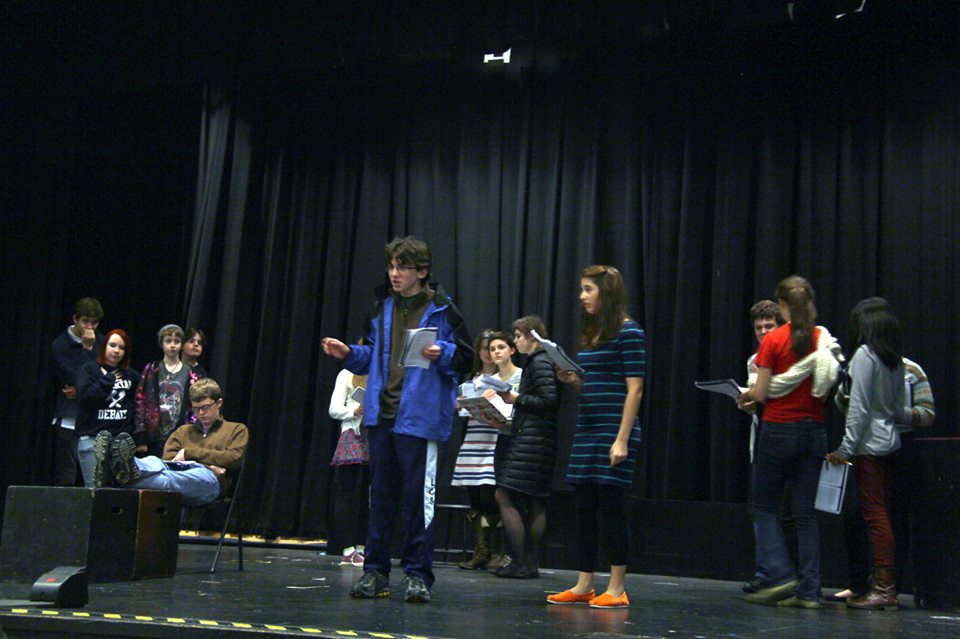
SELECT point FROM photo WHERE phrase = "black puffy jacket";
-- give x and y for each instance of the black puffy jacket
(528, 464)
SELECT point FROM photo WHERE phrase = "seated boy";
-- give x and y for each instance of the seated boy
(198, 459)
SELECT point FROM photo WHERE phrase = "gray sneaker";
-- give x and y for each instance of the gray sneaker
(371, 585)
(416, 590)
(124, 468)
(102, 473)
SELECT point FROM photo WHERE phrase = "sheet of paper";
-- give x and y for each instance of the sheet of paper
(358, 393)
(494, 382)
(558, 355)
(413, 344)
(831, 487)
(726, 387)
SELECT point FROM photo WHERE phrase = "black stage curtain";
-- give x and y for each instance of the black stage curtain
(706, 166)
(95, 199)
(705, 173)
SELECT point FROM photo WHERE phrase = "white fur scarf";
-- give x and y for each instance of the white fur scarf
(823, 363)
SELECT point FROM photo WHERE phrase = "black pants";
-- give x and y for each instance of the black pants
(65, 462)
(352, 507)
(601, 508)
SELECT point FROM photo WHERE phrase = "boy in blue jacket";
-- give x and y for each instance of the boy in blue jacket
(408, 411)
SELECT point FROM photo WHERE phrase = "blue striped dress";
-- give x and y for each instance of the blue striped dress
(601, 409)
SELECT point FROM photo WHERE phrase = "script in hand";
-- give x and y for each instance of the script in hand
(831, 487)
(415, 341)
(358, 393)
(558, 355)
(726, 387)
(485, 410)
(490, 381)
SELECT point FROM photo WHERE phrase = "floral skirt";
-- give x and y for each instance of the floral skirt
(351, 449)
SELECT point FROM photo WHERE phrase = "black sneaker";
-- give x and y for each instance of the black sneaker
(102, 473)
(124, 468)
(371, 586)
(416, 590)
(494, 566)
(516, 570)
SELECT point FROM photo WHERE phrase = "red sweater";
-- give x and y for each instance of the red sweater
(776, 353)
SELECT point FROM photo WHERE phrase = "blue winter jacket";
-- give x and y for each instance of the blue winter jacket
(429, 395)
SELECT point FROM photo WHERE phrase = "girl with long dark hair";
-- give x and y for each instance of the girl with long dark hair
(607, 439)
(871, 436)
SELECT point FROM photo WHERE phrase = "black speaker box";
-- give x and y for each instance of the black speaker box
(118, 534)
(64, 587)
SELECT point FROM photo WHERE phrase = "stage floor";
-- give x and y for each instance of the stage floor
(298, 592)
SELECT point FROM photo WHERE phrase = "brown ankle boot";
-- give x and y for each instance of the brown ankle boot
(481, 551)
(882, 595)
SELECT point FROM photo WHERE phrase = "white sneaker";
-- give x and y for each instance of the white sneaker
(348, 553)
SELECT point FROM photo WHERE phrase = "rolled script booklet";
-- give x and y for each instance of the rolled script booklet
(413, 344)
(726, 387)
(558, 355)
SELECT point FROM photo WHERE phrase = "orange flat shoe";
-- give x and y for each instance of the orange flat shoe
(567, 597)
(609, 601)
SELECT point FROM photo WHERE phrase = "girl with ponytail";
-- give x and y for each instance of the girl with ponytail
(795, 370)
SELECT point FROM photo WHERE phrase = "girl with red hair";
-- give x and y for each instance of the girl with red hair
(106, 389)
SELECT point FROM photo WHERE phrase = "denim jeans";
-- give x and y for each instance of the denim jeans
(788, 453)
(197, 484)
(85, 456)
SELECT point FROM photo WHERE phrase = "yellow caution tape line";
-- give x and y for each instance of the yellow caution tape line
(200, 623)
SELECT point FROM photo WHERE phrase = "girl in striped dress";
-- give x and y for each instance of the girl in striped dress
(474, 468)
(607, 440)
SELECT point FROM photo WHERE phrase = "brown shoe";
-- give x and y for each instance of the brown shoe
(481, 551)
(883, 594)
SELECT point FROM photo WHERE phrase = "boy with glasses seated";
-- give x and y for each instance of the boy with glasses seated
(198, 459)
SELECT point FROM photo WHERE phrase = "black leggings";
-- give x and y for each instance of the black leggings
(607, 502)
(352, 482)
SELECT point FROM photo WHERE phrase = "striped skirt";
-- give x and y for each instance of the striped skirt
(590, 457)
(475, 465)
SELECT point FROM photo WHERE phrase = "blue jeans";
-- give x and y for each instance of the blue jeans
(86, 459)
(197, 484)
(788, 453)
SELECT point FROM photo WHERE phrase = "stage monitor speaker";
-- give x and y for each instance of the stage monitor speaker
(64, 587)
(118, 534)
